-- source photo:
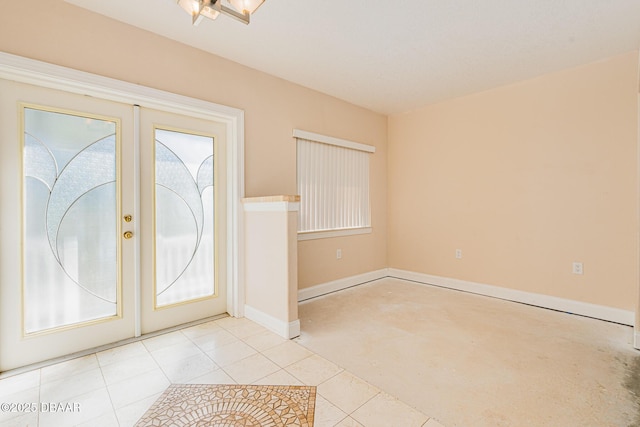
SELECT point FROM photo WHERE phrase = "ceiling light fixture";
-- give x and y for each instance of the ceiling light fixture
(238, 9)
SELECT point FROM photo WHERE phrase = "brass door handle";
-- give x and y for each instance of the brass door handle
(128, 234)
(127, 218)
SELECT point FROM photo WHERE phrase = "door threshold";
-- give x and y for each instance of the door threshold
(34, 366)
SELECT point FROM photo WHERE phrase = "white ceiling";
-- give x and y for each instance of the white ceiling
(394, 56)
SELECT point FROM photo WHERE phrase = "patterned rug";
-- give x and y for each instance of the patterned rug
(232, 406)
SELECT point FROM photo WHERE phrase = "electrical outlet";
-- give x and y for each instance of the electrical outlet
(577, 268)
(458, 253)
(339, 254)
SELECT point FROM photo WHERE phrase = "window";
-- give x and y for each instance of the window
(333, 184)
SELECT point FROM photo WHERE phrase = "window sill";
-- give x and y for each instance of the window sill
(326, 234)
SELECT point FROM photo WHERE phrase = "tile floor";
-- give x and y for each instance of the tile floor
(469, 360)
(115, 387)
(381, 354)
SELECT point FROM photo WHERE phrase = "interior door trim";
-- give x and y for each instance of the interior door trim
(25, 70)
(137, 291)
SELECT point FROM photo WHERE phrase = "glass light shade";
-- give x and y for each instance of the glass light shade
(246, 6)
(190, 6)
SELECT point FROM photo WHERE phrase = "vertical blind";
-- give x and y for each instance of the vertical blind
(333, 183)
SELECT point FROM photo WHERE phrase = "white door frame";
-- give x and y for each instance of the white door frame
(43, 74)
(636, 328)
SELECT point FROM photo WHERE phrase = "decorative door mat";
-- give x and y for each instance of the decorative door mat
(232, 406)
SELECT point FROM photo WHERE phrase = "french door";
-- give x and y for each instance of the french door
(182, 191)
(110, 220)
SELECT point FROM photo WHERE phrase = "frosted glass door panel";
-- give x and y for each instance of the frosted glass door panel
(70, 218)
(184, 217)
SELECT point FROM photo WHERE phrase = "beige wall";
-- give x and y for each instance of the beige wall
(525, 179)
(72, 37)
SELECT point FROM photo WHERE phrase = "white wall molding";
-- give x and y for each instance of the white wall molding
(286, 330)
(337, 285)
(595, 311)
(636, 326)
(545, 301)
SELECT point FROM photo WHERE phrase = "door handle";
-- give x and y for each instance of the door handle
(128, 234)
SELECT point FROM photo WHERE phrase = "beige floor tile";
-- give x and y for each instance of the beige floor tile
(231, 353)
(176, 352)
(287, 353)
(119, 371)
(386, 411)
(213, 340)
(91, 406)
(21, 420)
(67, 388)
(251, 369)
(130, 414)
(281, 377)
(187, 369)
(264, 340)
(165, 340)
(432, 423)
(246, 330)
(22, 397)
(349, 422)
(70, 367)
(216, 377)
(18, 383)
(240, 327)
(107, 419)
(123, 352)
(347, 391)
(137, 388)
(313, 370)
(201, 329)
(327, 415)
(231, 322)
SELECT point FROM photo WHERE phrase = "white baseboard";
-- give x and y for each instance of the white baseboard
(286, 330)
(561, 304)
(337, 285)
(601, 312)
(636, 339)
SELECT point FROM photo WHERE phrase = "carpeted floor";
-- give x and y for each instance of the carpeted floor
(232, 406)
(470, 360)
